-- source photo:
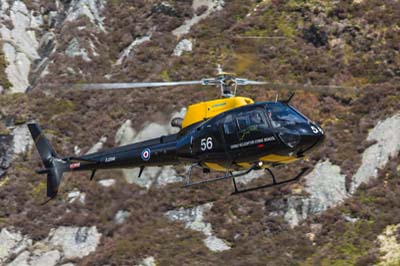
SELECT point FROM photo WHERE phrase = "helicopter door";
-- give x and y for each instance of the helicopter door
(231, 136)
(253, 132)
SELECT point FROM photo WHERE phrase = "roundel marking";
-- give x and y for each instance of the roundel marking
(145, 154)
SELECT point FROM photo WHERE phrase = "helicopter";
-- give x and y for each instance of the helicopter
(233, 135)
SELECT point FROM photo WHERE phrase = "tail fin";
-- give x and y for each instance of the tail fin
(54, 166)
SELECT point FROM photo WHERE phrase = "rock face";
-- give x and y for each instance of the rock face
(19, 43)
(212, 6)
(326, 188)
(62, 243)
(387, 137)
(193, 219)
(90, 8)
(22, 141)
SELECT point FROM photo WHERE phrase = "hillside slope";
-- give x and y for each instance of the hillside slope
(345, 212)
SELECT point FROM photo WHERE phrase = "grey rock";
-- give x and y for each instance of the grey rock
(98, 146)
(387, 137)
(326, 188)
(107, 182)
(164, 8)
(22, 141)
(183, 46)
(193, 218)
(75, 242)
(149, 261)
(121, 216)
(128, 50)
(125, 133)
(212, 6)
(20, 44)
(12, 243)
(76, 195)
(21, 260)
(349, 219)
(74, 49)
(90, 8)
(37, 257)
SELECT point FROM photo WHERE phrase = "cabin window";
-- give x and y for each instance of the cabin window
(229, 125)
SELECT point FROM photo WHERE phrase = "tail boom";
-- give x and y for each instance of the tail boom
(154, 152)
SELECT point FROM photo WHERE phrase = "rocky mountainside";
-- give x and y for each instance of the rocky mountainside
(346, 211)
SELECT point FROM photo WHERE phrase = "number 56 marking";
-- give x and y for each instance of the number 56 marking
(206, 144)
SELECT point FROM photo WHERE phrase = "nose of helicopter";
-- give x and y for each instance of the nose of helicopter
(311, 136)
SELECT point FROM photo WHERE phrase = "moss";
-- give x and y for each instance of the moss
(39, 190)
(347, 249)
(5, 131)
(286, 26)
(165, 76)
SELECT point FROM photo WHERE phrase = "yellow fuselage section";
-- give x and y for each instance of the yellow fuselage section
(205, 110)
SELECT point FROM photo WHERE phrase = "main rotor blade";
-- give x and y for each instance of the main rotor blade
(331, 89)
(135, 85)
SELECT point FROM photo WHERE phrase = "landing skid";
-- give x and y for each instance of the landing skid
(274, 182)
(229, 174)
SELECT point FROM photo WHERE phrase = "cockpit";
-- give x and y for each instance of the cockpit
(275, 119)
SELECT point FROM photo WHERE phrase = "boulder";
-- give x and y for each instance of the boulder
(193, 219)
(183, 46)
(149, 261)
(75, 242)
(121, 216)
(22, 141)
(107, 182)
(325, 186)
(12, 243)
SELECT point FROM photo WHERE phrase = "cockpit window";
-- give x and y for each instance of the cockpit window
(283, 115)
(247, 119)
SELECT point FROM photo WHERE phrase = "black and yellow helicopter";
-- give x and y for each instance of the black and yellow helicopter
(233, 134)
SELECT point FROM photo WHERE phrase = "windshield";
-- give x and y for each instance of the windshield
(283, 115)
